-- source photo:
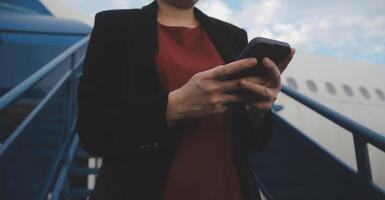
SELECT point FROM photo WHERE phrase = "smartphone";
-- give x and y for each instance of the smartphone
(259, 48)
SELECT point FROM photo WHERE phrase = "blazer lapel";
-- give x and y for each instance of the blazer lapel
(142, 47)
(144, 41)
(215, 34)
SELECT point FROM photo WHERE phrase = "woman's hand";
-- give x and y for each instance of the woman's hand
(207, 92)
(261, 92)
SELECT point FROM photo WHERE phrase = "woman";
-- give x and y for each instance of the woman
(155, 103)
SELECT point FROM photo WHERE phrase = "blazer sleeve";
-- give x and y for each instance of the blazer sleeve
(111, 124)
(260, 135)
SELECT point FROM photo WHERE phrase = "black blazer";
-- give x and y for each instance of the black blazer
(122, 106)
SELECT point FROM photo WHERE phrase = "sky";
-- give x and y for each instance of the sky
(353, 29)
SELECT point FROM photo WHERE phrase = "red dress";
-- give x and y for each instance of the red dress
(203, 168)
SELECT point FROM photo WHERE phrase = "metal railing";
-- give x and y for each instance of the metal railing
(361, 134)
(72, 59)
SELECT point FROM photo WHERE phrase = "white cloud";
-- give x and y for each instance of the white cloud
(355, 29)
(217, 8)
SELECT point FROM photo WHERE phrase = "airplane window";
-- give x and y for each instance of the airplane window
(364, 92)
(311, 85)
(348, 90)
(380, 94)
(292, 83)
(330, 88)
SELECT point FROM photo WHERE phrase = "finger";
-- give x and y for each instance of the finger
(282, 66)
(230, 85)
(231, 98)
(272, 69)
(261, 107)
(256, 79)
(257, 89)
(224, 71)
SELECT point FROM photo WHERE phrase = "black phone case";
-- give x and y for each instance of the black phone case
(259, 48)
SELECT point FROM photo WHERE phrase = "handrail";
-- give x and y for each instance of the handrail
(28, 83)
(63, 173)
(20, 128)
(361, 134)
(355, 128)
(66, 150)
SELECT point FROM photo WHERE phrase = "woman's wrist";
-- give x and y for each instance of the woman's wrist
(174, 108)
